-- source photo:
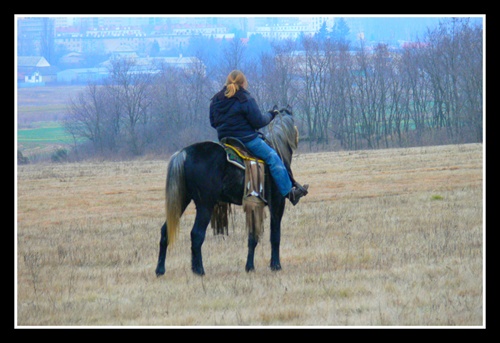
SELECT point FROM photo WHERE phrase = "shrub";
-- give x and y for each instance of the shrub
(21, 159)
(60, 155)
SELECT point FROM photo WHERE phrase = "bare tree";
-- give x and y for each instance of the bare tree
(87, 119)
(233, 55)
(180, 107)
(280, 78)
(429, 92)
(47, 48)
(343, 118)
(129, 84)
(453, 62)
(471, 79)
(316, 100)
(365, 95)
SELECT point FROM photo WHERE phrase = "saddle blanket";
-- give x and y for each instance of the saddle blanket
(254, 171)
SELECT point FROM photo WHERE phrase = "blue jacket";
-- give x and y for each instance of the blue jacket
(238, 116)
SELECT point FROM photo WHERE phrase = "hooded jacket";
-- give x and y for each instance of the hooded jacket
(238, 116)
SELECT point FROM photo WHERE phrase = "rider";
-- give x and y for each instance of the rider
(234, 113)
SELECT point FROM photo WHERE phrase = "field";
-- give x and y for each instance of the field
(385, 238)
(44, 103)
(46, 136)
(39, 114)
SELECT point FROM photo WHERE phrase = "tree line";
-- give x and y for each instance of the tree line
(345, 95)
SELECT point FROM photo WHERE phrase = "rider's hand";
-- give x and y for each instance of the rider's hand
(274, 111)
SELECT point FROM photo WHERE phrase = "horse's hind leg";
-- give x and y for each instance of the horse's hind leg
(203, 216)
(160, 267)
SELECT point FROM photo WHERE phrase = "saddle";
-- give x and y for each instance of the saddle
(237, 153)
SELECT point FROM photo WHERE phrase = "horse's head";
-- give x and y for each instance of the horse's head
(286, 110)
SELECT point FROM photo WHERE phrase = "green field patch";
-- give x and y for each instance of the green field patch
(46, 134)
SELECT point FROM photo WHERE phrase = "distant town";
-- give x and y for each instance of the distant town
(46, 46)
(74, 49)
(112, 34)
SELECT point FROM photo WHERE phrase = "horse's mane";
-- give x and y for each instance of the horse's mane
(283, 135)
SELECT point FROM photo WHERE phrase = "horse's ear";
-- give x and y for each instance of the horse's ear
(289, 108)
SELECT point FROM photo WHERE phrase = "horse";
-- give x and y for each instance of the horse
(201, 173)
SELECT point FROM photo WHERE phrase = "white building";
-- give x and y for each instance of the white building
(304, 25)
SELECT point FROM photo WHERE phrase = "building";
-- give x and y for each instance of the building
(292, 28)
(32, 34)
(141, 65)
(282, 31)
(82, 75)
(34, 71)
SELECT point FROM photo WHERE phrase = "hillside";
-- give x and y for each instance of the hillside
(41, 104)
(384, 238)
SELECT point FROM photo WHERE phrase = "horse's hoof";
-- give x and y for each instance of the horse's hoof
(275, 268)
(199, 272)
(160, 271)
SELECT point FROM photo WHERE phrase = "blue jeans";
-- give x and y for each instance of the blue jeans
(278, 170)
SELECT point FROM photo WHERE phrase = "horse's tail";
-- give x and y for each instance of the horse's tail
(175, 194)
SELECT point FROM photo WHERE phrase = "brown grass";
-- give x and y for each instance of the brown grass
(384, 238)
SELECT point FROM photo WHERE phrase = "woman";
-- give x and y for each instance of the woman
(234, 113)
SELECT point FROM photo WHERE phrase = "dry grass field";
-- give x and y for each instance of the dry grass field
(384, 238)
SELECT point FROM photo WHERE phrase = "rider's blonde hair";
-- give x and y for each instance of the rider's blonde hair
(235, 80)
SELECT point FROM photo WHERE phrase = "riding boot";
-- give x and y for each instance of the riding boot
(294, 182)
(296, 193)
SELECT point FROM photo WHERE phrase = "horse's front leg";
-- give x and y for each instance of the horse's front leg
(203, 215)
(160, 267)
(252, 243)
(276, 215)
